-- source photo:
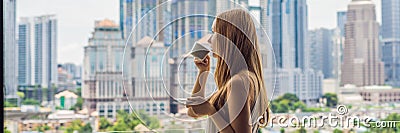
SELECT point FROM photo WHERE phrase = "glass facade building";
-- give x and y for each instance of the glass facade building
(10, 49)
(37, 53)
(391, 41)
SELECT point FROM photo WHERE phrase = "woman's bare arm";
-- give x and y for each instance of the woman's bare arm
(198, 90)
(238, 106)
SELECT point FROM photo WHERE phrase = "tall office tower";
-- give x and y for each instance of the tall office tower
(391, 40)
(45, 50)
(37, 53)
(321, 51)
(105, 79)
(145, 18)
(287, 27)
(361, 58)
(9, 51)
(150, 76)
(192, 23)
(25, 52)
(341, 17)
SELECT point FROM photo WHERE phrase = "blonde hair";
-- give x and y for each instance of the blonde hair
(236, 27)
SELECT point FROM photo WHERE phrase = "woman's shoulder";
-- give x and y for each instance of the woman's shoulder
(242, 76)
(240, 80)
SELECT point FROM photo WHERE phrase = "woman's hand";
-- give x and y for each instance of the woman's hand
(203, 65)
(200, 106)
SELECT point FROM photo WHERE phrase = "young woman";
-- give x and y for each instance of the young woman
(240, 103)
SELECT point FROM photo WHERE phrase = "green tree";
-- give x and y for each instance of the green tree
(283, 106)
(313, 109)
(104, 124)
(79, 91)
(287, 102)
(299, 105)
(331, 99)
(74, 126)
(86, 129)
(301, 130)
(30, 102)
(5, 130)
(21, 94)
(46, 127)
(282, 130)
(337, 131)
(8, 104)
(121, 124)
(79, 103)
(150, 121)
(289, 96)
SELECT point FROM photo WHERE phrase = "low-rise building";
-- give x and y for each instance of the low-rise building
(351, 94)
(65, 99)
(380, 94)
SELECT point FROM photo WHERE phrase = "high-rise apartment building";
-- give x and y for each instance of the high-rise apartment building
(25, 52)
(37, 44)
(10, 50)
(362, 64)
(391, 41)
(37, 53)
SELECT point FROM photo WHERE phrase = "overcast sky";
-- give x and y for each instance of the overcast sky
(76, 19)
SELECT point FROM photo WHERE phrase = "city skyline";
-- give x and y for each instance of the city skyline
(74, 30)
(76, 70)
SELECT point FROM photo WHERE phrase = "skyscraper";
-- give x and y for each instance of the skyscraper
(144, 18)
(341, 17)
(37, 54)
(321, 48)
(287, 27)
(391, 40)
(45, 50)
(10, 50)
(361, 58)
(104, 82)
(187, 29)
(25, 52)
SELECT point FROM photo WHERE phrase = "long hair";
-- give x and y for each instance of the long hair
(236, 31)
